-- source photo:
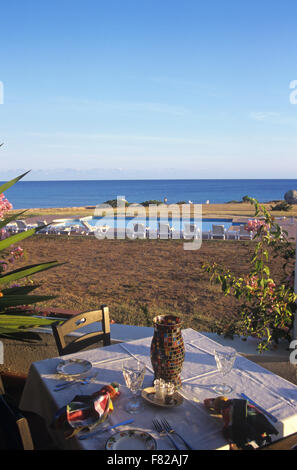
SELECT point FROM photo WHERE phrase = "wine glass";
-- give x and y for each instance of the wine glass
(225, 360)
(133, 372)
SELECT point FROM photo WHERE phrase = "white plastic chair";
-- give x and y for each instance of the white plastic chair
(244, 234)
(138, 231)
(164, 231)
(218, 231)
(191, 231)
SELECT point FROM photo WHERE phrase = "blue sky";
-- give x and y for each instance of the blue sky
(149, 88)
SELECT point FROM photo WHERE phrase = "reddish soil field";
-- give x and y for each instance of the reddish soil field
(139, 279)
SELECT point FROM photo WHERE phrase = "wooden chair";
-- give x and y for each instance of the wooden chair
(60, 331)
(15, 433)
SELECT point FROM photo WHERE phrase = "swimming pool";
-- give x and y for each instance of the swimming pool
(128, 222)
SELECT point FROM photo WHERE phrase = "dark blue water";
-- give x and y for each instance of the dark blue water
(34, 194)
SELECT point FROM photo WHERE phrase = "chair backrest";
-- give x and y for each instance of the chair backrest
(138, 228)
(218, 229)
(60, 331)
(88, 226)
(15, 433)
(21, 223)
(190, 228)
(242, 230)
(164, 230)
(2, 391)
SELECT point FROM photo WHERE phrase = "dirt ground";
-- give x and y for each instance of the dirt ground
(137, 280)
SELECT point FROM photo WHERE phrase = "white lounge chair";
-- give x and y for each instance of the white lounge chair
(22, 225)
(76, 230)
(12, 227)
(244, 234)
(90, 228)
(100, 231)
(41, 223)
(218, 231)
(191, 231)
(65, 231)
(164, 231)
(52, 230)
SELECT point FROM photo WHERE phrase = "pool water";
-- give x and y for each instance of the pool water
(128, 222)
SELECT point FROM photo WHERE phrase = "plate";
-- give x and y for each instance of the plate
(74, 367)
(149, 394)
(131, 439)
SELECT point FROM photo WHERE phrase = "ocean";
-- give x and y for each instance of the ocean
(48, 194)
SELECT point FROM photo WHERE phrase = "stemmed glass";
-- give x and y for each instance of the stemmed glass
(133, 372)
(225, 360)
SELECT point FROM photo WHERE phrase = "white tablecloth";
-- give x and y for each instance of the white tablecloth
(191, 419)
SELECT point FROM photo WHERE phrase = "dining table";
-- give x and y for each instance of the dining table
(190, 417)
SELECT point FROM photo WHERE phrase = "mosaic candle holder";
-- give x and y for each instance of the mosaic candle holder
(167, 349)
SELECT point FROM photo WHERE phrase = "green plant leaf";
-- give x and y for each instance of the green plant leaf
(10, 183)
(15, 300)
(11, 324)
(21, 290)
(27, 271)
(9, 219)
(17, 238)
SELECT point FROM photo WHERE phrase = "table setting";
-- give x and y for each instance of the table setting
(178, 390)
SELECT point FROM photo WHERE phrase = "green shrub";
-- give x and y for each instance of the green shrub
(281, 206)
(14, 319)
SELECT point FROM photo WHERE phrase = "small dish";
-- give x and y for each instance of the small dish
(149, 394)
(132, 439)
(74, 367)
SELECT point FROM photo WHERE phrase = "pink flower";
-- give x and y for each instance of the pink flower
(17, 252)
(255, 224)
(5, 205)
(3, 234)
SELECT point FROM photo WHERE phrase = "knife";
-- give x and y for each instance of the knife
(99, 431)
(273, 418)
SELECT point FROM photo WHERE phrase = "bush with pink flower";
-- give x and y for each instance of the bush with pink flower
(267, 307)
(5, 205)
(257, 226)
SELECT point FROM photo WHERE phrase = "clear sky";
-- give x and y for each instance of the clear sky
(136, 88)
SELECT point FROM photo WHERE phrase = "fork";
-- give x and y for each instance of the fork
(163, 432)
(170, 429)
(84, 381)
